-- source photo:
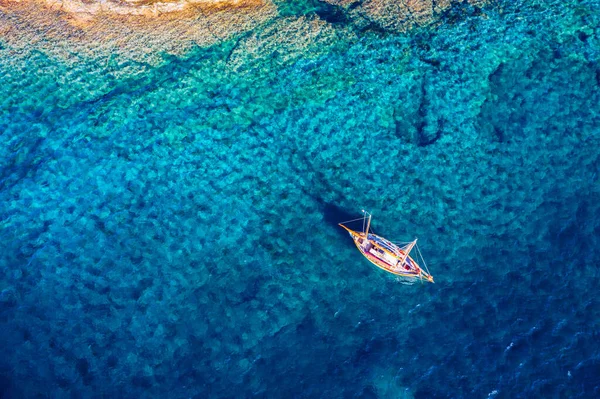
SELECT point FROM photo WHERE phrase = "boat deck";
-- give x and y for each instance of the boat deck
(409, 268)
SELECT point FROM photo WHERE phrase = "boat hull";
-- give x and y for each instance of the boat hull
(410, 269)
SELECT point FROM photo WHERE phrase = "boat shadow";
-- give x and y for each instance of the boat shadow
(334, 215)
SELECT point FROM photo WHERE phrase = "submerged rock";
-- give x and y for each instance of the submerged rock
(8, 298)
(397, 15)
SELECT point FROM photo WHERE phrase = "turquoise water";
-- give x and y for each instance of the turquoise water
(171, 230)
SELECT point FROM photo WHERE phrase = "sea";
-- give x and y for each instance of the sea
(170, 230)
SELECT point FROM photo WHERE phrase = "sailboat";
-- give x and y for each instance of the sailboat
(386, 255)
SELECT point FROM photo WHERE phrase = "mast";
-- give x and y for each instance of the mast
(368, 225)
(407, 251)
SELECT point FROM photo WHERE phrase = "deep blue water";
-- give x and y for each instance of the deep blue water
(173, 233)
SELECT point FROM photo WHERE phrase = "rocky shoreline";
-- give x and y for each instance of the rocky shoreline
(141, 29)
(148, 8)
(141, 32)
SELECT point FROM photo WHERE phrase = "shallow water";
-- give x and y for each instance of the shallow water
(173, 232)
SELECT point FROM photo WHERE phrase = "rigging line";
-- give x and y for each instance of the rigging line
(400, 243)
(423, 259)
(353, 220)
